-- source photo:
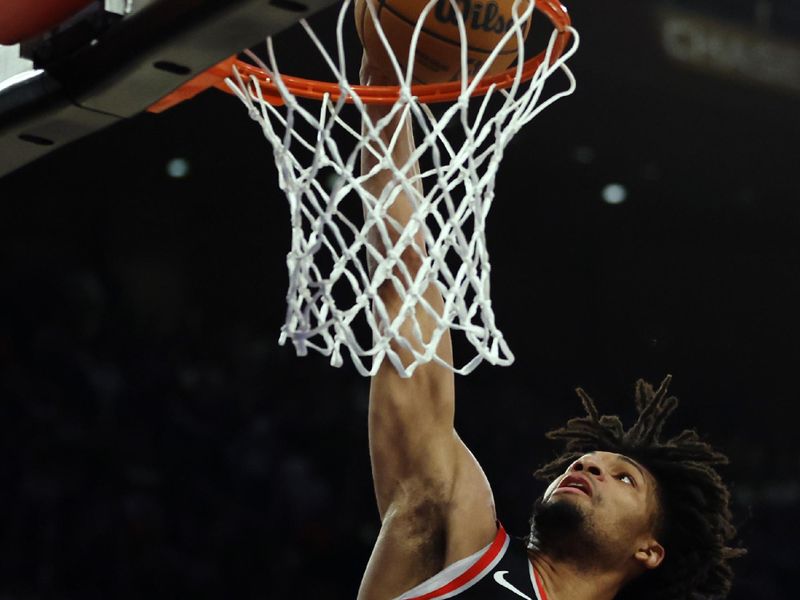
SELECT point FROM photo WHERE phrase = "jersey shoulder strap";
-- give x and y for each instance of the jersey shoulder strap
(499, 571)
(462, 574)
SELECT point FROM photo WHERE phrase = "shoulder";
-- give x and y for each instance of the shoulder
(470, 510)
(463, 574)
(501, 570)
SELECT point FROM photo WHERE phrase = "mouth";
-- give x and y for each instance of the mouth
(575, 484)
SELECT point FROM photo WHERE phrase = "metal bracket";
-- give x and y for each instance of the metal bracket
(105, 68)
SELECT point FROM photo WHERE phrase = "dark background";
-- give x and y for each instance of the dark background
(157, 442)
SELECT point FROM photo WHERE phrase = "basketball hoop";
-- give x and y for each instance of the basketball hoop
(430, 93)
(464, 146)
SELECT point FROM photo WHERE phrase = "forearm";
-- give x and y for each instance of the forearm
(402, 191)
(383, 184)
(398, 192)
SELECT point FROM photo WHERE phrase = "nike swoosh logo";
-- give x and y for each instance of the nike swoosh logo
(500, 577)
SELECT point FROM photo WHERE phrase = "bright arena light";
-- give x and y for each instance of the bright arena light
(330, 181)
(178, 168)
(583, 154)
(614, 193)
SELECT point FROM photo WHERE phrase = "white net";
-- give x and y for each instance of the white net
(333, 299)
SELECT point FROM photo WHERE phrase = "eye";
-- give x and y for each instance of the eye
(625, 477)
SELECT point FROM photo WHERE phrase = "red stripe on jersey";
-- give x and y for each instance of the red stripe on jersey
(540, 585)
(483, 562)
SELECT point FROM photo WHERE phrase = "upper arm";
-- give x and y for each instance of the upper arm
(412, 442)
(419, 463)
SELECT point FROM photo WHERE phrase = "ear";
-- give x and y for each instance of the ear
(650, 555)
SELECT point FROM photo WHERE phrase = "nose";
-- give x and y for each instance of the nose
(588, 465)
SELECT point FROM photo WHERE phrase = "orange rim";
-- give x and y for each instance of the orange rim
(428, 93)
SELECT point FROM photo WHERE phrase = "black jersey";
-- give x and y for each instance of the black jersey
(500, 571)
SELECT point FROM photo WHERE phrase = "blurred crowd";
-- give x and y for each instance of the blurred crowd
(153, 460)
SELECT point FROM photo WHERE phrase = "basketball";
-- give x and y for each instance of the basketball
(438, 54)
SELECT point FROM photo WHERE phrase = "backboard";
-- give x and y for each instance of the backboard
(109, 60)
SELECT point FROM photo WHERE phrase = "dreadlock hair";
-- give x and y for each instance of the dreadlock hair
(693, 521)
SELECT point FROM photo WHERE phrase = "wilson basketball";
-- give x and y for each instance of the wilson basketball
(438, 54)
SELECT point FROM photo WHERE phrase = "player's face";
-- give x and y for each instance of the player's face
(616, 496)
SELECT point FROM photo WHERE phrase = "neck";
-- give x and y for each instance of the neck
(565, 581)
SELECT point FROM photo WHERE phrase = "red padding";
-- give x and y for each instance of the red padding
(23, 19)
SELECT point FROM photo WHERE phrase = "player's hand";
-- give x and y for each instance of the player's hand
(372, 75)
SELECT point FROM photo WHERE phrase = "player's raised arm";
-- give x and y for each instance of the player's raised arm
(433, 498)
